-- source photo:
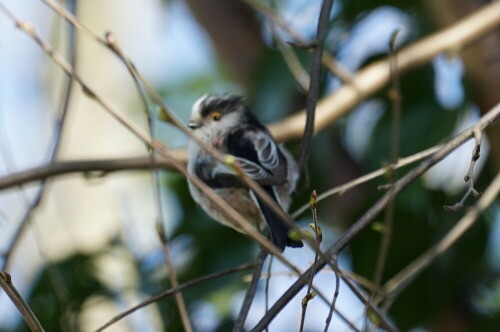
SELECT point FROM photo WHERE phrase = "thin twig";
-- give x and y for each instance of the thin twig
(91, 168)
(175, 290)
(172, 274)
(476, 153)
(335, 294)
(16, 298)
(319, 237)
(314, 82)
(397, 283)
(292, 60)
(251, 291)
(342, 189)
(327, 59)
(268, 284)
(395, 97)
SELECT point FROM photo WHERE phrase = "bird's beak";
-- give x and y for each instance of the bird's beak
(194, 124)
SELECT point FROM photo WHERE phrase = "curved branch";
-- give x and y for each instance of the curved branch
(16, 298)
(96, 167)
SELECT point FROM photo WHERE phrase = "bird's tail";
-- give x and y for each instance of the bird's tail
(277, 227)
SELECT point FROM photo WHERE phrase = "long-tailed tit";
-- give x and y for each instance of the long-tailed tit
(224, 122)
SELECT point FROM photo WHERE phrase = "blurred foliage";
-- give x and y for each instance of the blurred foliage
(444, 291)
(61, 291)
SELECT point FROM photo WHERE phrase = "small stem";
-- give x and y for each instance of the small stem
(395, 96)
(468, 178)
(318, 237)
(335, 294)
(23, 308)
(268, 284)
(251, 291)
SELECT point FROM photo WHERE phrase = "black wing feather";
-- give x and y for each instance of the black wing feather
(204, 170)
(277, 227)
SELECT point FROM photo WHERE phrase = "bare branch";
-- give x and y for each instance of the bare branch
(327, 59)
(16, 298)
(405, 276)
(342, 189)
(318, 237)
(89, 167)
(251, 291)
(172, 274)
(293, 63)
(395, 97)
(476, 152)
(314, 82)
(268, 283)
(335, 294)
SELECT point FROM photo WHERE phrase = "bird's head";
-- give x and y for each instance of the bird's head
(216, 113)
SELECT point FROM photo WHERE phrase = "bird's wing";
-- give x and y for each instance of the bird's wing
(258, 155)
(215, 174)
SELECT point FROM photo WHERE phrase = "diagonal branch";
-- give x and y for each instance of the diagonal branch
(397, 283)
(342, 189)
(251, 291)
(25, 311)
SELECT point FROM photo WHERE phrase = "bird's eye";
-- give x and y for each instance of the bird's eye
(216, 116)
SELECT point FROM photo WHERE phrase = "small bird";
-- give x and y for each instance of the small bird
(225, 123)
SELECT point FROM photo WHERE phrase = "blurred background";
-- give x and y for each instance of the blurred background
(90, 250)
